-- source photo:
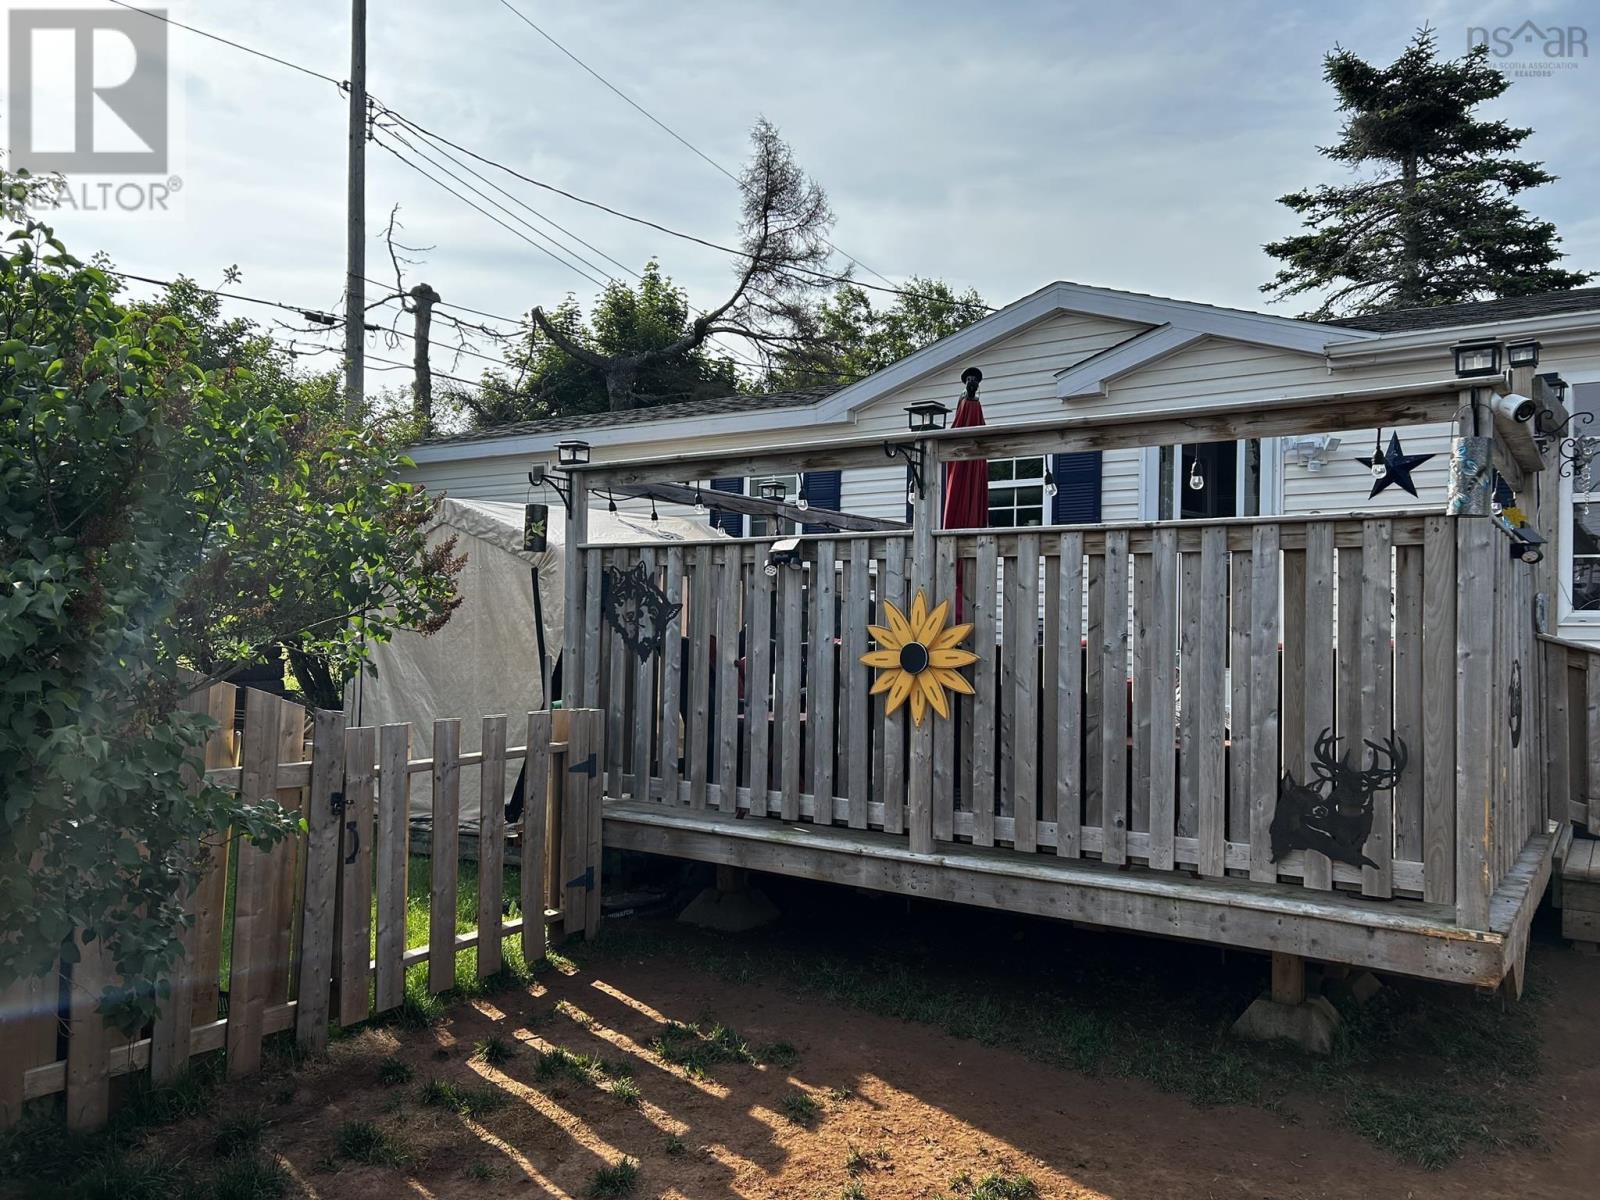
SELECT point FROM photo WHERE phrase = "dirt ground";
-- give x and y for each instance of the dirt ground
(924, 1108)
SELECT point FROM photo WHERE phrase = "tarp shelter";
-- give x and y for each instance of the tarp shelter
(486, 658)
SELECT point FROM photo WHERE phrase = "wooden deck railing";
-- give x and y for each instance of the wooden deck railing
(1571, 691)
(1141, 689)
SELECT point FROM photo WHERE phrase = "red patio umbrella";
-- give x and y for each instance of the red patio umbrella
(966, 483)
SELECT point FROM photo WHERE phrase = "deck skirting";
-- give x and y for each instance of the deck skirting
(1407, 937)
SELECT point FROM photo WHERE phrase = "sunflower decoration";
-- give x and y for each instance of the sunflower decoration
(918, 658)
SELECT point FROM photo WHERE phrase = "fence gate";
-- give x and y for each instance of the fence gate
(318, 930)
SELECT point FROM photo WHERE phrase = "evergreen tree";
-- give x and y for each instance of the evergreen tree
(1435, 221)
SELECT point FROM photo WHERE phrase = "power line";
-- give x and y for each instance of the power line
(509, 228)
(282, 62)
(660, 124)
(437, 137)
(731, 353)
(314, 315)
(428, 158)
(823, 276)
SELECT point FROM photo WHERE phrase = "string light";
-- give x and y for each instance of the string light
(1196, 480)
(1379, 467)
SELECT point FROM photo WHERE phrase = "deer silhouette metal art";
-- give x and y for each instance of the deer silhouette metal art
(1332, 814)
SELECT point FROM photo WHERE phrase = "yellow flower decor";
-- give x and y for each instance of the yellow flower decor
(918, 658)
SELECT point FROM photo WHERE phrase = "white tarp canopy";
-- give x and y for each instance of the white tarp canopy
(486, 658)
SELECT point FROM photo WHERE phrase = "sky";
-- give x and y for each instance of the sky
(999, 146)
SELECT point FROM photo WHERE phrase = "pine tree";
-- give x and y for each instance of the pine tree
(1434, 221)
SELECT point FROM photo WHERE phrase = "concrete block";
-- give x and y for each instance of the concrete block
(737, 911)
(1309, 1024)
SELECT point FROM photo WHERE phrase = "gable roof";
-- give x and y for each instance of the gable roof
(1475, 312)
(711, 407)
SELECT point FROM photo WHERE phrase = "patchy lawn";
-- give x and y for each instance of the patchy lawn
(867, 1048)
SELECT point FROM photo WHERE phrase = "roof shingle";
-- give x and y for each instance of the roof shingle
(1476, 312)
(713, 407)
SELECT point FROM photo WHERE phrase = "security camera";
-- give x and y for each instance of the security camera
(1518, 408)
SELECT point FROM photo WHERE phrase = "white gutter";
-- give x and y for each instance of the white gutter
(629, 433)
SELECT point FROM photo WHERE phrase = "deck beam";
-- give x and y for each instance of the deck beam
(1404, 937)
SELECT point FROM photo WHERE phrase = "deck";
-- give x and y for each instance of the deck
(1143, 702)
(1408, 937)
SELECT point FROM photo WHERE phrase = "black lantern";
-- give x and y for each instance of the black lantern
(926, 416)
(572, 454)
(773, 489)
(1477, 360)
(1557, 385)
(1522, 354)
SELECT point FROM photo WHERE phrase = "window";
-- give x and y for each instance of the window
(1016, 492)
(771, 526)
(1583, 531)
(1207, 480)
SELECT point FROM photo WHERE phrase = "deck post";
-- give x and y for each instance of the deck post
(1286, 1014)
(572, 623)
(926, 508)
(1477, 543)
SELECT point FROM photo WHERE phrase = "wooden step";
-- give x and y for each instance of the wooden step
(1580, 894)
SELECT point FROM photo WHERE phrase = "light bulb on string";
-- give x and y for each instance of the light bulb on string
(1196, 480)
(1379, 468)
(699, 502)
(611, 502)
(653, 514)
(802, 504)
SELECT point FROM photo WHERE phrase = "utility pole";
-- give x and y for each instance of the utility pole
(423, 298)
(355, 293)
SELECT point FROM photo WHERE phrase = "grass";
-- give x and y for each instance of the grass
(854, 1190)
(494, 1051)
(625, 1090)
(800, 1108)
(464, 1101)
(996, 1186)
(365, 1143)
(695, 1049)
(250, 1178)
(238, 1134)
(1424, 1071)
(618, 1179)
(392, 1072)
(674, 1145)
(559, 1063)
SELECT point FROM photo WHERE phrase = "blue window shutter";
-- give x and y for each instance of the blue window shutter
(732, 523)
(1077, 499)
(822, 489)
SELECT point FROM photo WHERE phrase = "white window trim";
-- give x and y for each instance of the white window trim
(752, 488)
(1565, 613)
(1271, 478)
(1044, 490)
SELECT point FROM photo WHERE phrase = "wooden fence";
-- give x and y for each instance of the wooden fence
(1140, 689)
(316, 935)
(1571, 699)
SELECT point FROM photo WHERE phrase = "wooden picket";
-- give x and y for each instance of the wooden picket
(301, 944)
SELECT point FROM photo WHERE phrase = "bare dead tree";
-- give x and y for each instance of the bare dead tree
(784, 242)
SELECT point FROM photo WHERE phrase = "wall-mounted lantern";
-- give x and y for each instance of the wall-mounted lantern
(572, 454)
(773, 489)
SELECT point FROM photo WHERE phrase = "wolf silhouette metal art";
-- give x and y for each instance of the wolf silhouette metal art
(636, 608)
(1332, 813)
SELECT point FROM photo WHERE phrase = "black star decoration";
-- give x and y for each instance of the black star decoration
(1397, 467)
